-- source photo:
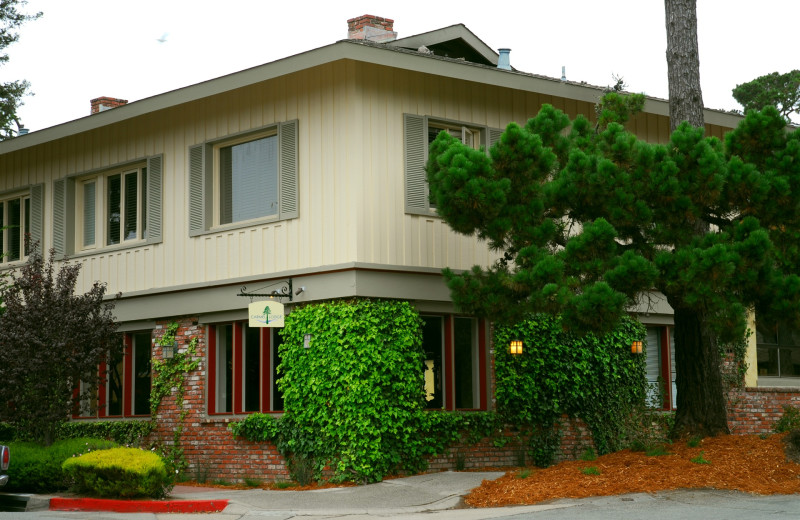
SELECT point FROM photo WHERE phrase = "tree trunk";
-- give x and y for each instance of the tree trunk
(683, 64)
(701, 407)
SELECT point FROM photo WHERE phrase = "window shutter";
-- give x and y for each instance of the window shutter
(494, 136)
(288, 170)
(414, 148)
(37, 217)
(154, 204)
(60, 217)
(197, 195)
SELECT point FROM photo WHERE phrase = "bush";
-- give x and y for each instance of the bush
(790, 420)
(119, 472)
(37, 469)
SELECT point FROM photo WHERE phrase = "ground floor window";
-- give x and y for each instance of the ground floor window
(455, 362)
(242, 369)
(125, 379)
(660, 366)
(777, 349)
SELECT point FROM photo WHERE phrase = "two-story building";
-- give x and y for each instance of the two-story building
(303, 176)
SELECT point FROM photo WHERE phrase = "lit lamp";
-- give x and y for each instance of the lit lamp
(636, 347)
(515, 347)
(170, 349)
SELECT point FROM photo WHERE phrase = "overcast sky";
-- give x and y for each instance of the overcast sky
(82, 49)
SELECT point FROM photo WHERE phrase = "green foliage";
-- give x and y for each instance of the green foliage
(119, 472)
(37, 468)
(11, 93)
(51, 340)
(352, 398)
(615, 106)
(591, 377)
(129, 433)
(545, 444)
(168, 374)
(694, 442)
(791, 446)
(588, 454)
(781, 91)
(790, 420)
(700, 459)
(590, 470)
(657, 450)
(586, 222)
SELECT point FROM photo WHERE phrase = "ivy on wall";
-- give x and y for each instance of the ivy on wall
(596, 379)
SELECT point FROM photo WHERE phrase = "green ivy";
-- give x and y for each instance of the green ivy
(128, 433)
(169, 374)
(596, 379)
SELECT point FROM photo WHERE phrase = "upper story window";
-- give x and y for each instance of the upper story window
(20, 223)
(418, 133)
(113, 207)
(244, 179)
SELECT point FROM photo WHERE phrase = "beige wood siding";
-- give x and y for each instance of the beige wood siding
(351, 174)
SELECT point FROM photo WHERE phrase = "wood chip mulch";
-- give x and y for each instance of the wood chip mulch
(736, 462)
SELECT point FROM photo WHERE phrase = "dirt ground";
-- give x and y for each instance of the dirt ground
(737, 462)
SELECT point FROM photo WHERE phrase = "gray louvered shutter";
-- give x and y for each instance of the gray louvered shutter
(60, 217)
(154, 197)
(414, 148)
(494, 136)
(37, 218)
(288, 170)
(197, 189)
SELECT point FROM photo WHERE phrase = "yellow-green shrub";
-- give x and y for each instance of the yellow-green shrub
(119, 472)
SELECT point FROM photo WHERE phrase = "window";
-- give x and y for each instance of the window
(777, 349)
(115, 207)
(418, 133)
(125, 381)
(660, 367)
(20, 224)
(243, 365)
(455, 362)
(244, 179)
(112, 209)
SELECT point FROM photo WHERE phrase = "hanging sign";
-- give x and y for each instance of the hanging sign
(266, 314)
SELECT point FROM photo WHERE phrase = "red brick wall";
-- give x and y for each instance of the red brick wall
(756, 410)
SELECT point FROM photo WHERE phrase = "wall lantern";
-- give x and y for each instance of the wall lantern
(636, 347)
(515, 347)
(169, 350)
(307, 341)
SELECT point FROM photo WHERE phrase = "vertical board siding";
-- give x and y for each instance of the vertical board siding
(352, 195)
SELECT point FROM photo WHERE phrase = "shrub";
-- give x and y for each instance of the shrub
(791, 446)
(119, 472)
(37, 469)
(790, 420)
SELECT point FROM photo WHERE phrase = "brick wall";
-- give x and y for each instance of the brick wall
(756, 410)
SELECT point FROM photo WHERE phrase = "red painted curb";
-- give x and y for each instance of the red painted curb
(137, 506)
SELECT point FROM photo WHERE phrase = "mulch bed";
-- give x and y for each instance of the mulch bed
(746, 463)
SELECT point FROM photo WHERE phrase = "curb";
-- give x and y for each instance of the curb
(137, 506)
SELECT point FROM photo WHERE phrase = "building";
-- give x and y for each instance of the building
(158, 199)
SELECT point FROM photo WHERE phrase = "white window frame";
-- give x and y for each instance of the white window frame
(205, 178)
(101, 208)
(7, 232)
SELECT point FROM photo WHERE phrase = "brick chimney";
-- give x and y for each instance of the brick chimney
(106, 103)
(372, 28)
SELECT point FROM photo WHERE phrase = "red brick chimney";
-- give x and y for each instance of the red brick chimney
(105, 103)
(372, 28)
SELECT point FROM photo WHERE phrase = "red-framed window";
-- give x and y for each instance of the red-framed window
(660, 366)
(242, 363)
(455, 362)
(124, 389)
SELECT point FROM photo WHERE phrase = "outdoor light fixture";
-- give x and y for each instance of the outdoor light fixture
(515, 347)
(170, 349)
(307, 341)
(636, 347)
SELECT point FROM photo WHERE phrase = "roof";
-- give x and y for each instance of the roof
(456, 38)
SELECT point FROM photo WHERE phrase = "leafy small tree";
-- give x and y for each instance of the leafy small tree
(781, 91)
(11, 92)
(51, 341)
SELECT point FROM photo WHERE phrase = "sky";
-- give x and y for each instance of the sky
(83, 49)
